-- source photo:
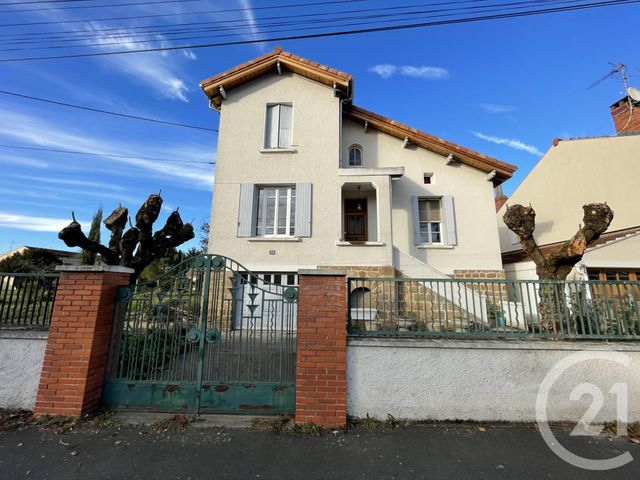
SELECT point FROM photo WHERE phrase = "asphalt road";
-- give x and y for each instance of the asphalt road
(434, 452)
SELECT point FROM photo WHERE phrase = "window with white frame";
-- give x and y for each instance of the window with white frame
(276, 211)
(355, 156)
(430, 220)
(278, 126)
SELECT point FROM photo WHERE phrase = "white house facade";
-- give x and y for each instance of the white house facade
(305, 179)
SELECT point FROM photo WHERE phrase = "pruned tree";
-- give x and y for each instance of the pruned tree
(558, 263)
(89, 257)
(138, 246)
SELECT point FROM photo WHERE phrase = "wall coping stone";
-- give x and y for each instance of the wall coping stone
(323, 271)
(506, 344)
(24, 334)
(94, 269)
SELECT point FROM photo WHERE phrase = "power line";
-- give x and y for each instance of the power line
(256, 22)
(484, 9)
(107, 155)
(336, 33)
(129, 4)
(107, 112)
(138, 17)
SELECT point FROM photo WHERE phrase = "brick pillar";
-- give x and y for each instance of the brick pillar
(321, 369)
(76, 353)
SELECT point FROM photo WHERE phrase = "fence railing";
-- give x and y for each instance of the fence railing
(608, 310)
(26, 299)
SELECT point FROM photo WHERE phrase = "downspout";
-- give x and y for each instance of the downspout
(342, 102)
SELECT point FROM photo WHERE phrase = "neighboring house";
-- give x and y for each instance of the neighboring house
(575, 172)
(305, 179)
(64, 256)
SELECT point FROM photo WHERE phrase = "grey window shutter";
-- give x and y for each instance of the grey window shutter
(416, 220)
(246, 207)
(271, 127)
(284, 135)
(449, 218)
(303, 209)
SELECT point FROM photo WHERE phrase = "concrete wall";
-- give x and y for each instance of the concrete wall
(487, 380)
(21, 357)
(572, 174)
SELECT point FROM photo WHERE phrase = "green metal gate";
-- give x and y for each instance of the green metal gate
(209, 337)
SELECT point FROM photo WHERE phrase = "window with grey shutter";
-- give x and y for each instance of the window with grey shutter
(278, 126)
(246, 210)
(303, 209)
(434, 220)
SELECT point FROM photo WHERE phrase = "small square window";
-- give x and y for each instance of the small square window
(427, 178)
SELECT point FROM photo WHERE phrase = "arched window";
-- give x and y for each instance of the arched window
(361, 298)
(355, 156)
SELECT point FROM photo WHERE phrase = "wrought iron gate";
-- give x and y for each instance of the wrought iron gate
(210, 336)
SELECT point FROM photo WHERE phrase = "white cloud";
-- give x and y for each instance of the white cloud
(386, 70)
(251, 21)
(509, 142)
(32, 223)
(33, 130)
(428, 73)
(496, 108)
(157, 71)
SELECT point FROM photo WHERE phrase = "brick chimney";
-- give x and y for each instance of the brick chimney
(626, 116)
(501, 198)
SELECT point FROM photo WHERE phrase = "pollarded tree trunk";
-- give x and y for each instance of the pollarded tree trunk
(557, 264)
(138, 246)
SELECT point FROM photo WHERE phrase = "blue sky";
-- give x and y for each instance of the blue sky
(506, 88)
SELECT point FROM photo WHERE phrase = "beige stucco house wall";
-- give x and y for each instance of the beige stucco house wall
(390, 175)
(571, 174)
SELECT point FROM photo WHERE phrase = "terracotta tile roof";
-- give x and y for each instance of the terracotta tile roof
(520, 256)
(461, 154)
(268, 62)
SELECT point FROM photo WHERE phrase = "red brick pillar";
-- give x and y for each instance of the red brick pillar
(321, 370)
(76, 354)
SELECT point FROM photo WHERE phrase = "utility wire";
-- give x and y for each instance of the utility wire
(129, 4)
(256, 22)
(335, 33)
(179, 14)
(305, 22)
(108, 155)
(107, 112)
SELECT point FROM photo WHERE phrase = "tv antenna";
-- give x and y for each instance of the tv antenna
(619, 72)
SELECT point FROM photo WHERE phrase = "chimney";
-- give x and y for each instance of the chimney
(626, 116)
(501, 198)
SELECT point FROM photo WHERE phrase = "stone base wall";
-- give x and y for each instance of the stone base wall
(496, 293)
(365, 271)
(21, 358)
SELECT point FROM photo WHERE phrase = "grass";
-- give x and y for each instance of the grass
(175, 423)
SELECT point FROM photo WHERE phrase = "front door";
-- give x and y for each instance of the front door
(355, 220)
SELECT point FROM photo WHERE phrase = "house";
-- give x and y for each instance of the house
(574, 172)
(64, 257)
(307, 179)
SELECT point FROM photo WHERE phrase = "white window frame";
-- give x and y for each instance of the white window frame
(360, 149)
(428, 240)
(263, 223)
(267, 139)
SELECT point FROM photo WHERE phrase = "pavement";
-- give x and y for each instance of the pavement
(111, 450)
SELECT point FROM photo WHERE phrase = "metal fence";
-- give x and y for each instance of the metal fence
(26, 299)
(605, 310)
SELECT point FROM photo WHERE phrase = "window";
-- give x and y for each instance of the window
(427, 178)
(276, 211)
(355, 156)
(430, 220)
(278, 126)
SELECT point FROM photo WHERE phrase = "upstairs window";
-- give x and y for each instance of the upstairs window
(276, 211)
(430, 220)
(355, 156)
(278, 126)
